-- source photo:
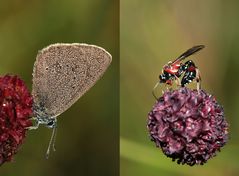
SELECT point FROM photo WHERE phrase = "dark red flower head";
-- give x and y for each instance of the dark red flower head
(15, 110)
(188, 125)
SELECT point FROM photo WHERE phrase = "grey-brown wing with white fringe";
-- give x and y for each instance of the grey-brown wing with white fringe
(63, 73)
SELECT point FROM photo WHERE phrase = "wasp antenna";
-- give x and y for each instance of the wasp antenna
(156, 85)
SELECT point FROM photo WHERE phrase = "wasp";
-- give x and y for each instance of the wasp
(173, 70)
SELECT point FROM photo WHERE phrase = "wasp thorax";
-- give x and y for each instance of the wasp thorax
(165, 67)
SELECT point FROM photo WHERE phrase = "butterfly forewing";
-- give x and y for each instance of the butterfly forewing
(63, 73)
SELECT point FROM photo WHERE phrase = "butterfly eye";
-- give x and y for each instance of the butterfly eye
(51, 123)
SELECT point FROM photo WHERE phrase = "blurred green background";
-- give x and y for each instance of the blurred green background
(87, 140)
(155, 32)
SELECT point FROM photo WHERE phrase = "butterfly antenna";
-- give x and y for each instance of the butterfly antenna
(52, 141)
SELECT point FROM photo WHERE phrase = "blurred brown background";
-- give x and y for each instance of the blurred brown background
(87, 139)
(155, 32)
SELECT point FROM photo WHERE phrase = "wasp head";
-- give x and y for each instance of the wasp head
(162, 78)
(166, 77)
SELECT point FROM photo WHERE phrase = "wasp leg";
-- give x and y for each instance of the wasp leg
(198, 79)
(168, 87)
(153, 91)
(178, 81)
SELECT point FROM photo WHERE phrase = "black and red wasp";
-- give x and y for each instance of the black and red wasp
(175, 69)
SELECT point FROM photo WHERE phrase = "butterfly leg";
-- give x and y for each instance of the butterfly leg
(35, 126)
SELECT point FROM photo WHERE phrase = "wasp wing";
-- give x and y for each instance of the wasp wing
(188, 53)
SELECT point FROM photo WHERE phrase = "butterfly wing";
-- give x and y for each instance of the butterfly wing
(63, 73)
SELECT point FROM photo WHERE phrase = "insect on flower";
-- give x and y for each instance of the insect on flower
(173, 70)
(188, 125)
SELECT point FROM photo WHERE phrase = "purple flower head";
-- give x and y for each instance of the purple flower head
(188, 125)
